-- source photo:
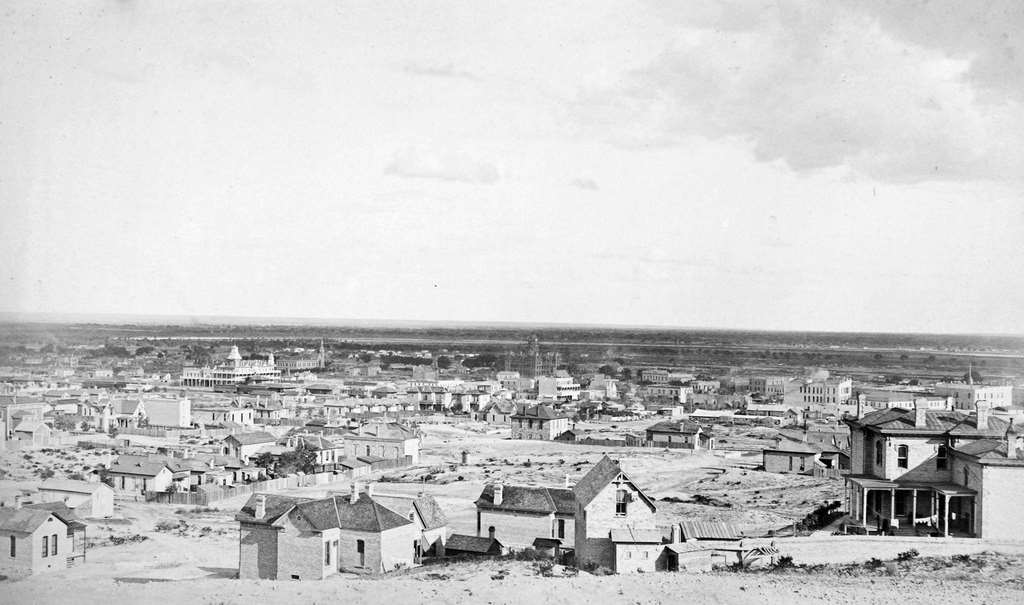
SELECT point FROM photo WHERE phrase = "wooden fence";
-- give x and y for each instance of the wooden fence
(210, 494)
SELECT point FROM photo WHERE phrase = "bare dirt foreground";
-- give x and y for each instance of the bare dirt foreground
(173, 554)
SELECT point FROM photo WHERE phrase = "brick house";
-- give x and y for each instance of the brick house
(387, 440)
(994, 469)
(921, 470)
(134, 474)
(803, 458)
(615, 522)
(35, 540)
(683, 434)
(517, 515)
(538, 422)
(282, 537)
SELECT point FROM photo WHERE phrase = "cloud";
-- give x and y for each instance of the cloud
(446, 70)
(583, 183)
(458, 166)
(815, 86)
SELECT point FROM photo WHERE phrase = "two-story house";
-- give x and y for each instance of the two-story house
(903, 476)
(539, 422)
(614, 522)
(684, 434)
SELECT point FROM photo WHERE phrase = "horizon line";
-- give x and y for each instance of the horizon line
(115, 319)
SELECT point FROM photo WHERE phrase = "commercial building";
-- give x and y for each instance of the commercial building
(828, 391)
(233, 372)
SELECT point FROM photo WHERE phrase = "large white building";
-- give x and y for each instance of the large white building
(966, 394)
(170, 412)
(235, 371)
(831, 391)
(561, 386)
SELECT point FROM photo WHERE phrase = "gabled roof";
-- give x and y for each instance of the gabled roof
(529, 499)
(70, 485)
(132, 465)
(898, 420)
(29, 426)
(386, 430)
(633, 535)
(256, 438)
(25, 520)
(603, 473)
(326, 513)
(679, 427)
(709, 530)
(425, 506)
(61, 511)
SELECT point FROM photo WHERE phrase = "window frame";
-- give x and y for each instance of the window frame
(902, 456)
(942, 458)
(621, 502)
(14, 547)
(879, 452)
(46, 546)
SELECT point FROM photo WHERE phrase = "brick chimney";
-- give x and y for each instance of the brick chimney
(676, 535)
(982, 409)
(499, 492)
(1011, 442)
(353, 495)
(261, 506)
(920, 413)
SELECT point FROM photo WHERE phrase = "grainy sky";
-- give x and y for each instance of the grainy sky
(777, 165)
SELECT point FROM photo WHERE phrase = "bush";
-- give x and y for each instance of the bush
(544, 568)
(527, 554)
(874, 563)
(168, 525)
(908, 555)
(784, 562)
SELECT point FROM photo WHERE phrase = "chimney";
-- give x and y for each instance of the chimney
(920, 413)
(675, 537)
(17, 502)
(568, 482)
(353, 495)
(490, 532)
(499, 492)
(1011, 441)
(261, 506)
(982, 409)
(860, 406)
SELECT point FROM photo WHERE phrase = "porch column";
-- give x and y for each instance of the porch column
(945, 515)
(864, 510)
(913, 507)
(892, 503)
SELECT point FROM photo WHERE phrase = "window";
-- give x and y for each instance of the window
(941, 458)
(966, 477)
(903, 456)
(561, 528)
(361, 549)
(14, 546)
(621, 501)
(46, 546)
(327, 553)
(878, 452)
(53, 545)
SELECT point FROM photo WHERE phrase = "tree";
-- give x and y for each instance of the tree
(973, 375)
(444, 362)
(608, 370)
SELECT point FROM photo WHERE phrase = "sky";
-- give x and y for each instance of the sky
(782, 165)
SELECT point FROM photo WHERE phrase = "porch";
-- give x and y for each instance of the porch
(905, 508)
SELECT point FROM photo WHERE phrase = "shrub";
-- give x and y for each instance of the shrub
(168, 525)
(784, 562)
(908, 555)
(544, 568)
(874, 563)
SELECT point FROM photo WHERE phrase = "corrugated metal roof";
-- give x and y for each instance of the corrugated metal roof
(708, 530)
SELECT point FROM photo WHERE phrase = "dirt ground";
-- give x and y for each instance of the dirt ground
(181, 554)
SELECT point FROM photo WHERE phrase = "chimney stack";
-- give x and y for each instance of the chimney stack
(920, 413)
(860, 406)
(568, 482)
(353, 496)
(676, 537)
(261, 506)
(982, 409)
(1011, 441)
(499, 492)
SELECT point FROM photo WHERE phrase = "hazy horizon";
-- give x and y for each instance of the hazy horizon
(776, 166)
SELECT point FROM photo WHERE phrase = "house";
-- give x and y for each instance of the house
(994, 470)
(426, 514)
(36, 540)
(247, 445)
(328, 453)
(614, 522)
(134, 474)
(282, 537)
(388, 440)
(538, 422)
(32, 433)
(908, 472)
(500, 412)
(518, 514)
(684, 434)
(803, 458)
(460, 545)
(85, 498)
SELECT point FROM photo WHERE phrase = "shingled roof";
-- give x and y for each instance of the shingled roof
(603, 473)
(530, 499)
(541, 412)
(25, 520)
(953, 422)
(318, 515)
(256, 438)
